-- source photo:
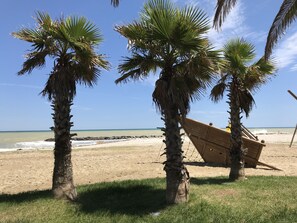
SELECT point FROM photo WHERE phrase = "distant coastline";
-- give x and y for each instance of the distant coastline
(81, 130)
(43, 139)
(132, 129)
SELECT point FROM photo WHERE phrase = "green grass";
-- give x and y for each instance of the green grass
(258, 199)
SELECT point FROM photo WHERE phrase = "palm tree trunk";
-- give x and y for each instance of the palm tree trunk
(237, 151)
(177, 176)
(63, 186)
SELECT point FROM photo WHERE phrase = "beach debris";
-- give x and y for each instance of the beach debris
(155, 214)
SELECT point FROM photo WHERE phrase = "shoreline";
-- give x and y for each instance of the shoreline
(93, 141)
(29, 170)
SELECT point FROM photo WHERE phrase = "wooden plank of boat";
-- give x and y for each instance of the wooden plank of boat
(214, 144)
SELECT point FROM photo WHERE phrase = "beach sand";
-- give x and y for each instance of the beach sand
(131, 159)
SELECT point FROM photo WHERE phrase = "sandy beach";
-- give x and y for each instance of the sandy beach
(130, 159)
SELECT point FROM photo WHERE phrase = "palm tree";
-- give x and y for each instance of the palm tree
(172, 42)
(285, 16)
(240, 78)
(70, 43)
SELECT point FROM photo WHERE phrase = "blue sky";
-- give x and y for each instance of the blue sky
(110, 106)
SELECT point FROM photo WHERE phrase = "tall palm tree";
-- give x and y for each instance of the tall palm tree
(240, 78)
(172, 42)
(70, 43)
(285, 16)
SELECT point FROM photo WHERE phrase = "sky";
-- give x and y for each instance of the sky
(130, 106)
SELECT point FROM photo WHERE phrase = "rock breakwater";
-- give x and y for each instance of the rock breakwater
(88, 138)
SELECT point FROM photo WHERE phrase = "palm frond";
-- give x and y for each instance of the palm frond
(259, 73)
(160, 15)
(217, 92)
(44, 20)
(38, 38)
(34, 60)
(285, 16)
(223, 8)
(136, 67)
(59, 78)
(90, 68)
(246, 101)
(160, 96)
(196, 18)
(189, 30)
(136, 33)
(79, 29)
(29, 35)
(115, 3)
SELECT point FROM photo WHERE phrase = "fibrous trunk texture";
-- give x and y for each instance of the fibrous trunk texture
(237, 151)
(63, 186)
(177, 176)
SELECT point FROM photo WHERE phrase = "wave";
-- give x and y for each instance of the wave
(271, 131)
(41, 145)
(260, 132)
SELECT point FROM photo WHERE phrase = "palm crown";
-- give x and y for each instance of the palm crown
(70, 42)
(173, 41)
(238, 67)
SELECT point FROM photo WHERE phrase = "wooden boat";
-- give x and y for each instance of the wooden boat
(214, 144)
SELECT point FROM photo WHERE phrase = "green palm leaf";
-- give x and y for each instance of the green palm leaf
(223, 8)
(217, 92)
(285, 16)
(246, 101)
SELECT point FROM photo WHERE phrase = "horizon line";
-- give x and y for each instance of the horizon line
(125, 129)
(112, 129)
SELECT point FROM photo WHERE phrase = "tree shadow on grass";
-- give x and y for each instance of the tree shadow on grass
(25, 196)
(122, 199)
(214, 180)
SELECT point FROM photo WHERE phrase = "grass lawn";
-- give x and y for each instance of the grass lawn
(258, 199)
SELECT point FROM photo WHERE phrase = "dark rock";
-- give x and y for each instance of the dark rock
(87, 138)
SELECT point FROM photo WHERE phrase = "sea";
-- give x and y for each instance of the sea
(28, 140)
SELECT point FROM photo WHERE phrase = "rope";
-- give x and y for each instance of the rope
(159, 154)
(194, 155)
(188, 148)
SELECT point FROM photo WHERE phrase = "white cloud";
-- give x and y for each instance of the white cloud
(286, 53)
(294, 68)
(191, 2)
(206, 5)
(234, 26)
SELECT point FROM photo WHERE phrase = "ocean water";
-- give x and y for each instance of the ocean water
(11, 141)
